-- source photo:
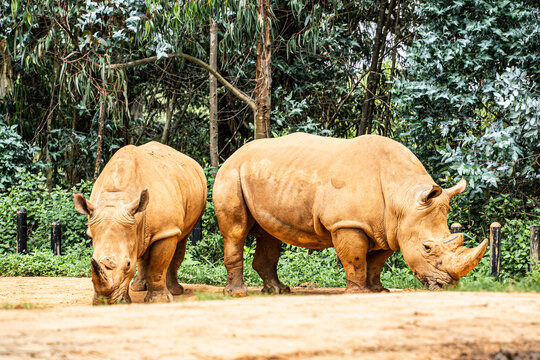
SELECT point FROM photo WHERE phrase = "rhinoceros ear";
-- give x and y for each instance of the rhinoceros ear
(82, 205)
(139, 204)
(427, 195)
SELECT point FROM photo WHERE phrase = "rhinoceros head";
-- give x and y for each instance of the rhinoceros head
(435, 256)
(114, 233)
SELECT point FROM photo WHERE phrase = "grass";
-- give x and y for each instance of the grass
(23, 306)
(295, 268)
(529, 283)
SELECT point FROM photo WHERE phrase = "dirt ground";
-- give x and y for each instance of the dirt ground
(51, 318)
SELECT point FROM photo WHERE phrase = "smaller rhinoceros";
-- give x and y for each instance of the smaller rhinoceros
(367, 197)
(143, 207)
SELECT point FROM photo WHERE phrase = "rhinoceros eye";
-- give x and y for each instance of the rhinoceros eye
(427, 246)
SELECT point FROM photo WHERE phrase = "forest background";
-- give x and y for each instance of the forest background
(455, 81)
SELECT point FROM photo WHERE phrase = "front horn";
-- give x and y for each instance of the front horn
(466, 259)
(98, 274)
(456, 189)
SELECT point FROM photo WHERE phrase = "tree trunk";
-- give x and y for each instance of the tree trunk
(49, 170)
(99, 149)
(214, 151)
(387, 123)
(6, 73)
(371, 88)
(168, 118)
(264, 72)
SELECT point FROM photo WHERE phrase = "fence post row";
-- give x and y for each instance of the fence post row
(196, 236)
(495, 249)
(22, 231)
(56, 236)
(456, 228)
(535, 248)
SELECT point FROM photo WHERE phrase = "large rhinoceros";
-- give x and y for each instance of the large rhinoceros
(367, 197)
(143, 207)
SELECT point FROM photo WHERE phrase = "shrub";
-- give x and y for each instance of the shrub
(42, 209)
(16, 155)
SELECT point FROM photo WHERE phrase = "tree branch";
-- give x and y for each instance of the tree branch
(237, 92)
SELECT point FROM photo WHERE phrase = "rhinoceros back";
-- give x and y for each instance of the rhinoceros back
(176, 184)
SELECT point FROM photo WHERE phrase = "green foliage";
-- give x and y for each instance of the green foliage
(16, 155)
(515, 219)
(44, 263)
(42, 209)
(469, 104)
(531, 282)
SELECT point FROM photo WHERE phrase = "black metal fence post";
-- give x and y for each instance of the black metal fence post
(456, 228)
(196, 234)
(22, 231)
(56, 238)
(535, 248)
(495, 249)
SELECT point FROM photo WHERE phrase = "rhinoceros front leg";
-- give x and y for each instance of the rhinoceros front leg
(160, 255)
(375, 263)
(172, 273)
(139, 283)
(352, 246)
(265, 263)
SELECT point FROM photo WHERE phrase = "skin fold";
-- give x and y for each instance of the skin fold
(367, 197)
(141, 212)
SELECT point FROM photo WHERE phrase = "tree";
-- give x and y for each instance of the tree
(469, 104)
(214, 151)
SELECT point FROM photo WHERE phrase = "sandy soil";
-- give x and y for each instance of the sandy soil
(322, 324)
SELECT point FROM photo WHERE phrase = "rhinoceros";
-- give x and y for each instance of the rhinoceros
(143, 207)
(367, 197)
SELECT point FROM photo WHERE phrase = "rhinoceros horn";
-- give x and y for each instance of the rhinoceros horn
(98, 275)
(456, 189)
(466, 259)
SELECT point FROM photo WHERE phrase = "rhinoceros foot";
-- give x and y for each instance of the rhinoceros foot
(138, 285)
(276, 289)
(158, 297)
(240, 291)
(357, 290)
(379, 288)
(175, 289)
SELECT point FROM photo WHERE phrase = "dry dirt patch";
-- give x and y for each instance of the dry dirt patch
(399, 325)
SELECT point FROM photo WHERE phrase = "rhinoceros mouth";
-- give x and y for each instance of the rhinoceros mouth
(437, 283)
(120, 296)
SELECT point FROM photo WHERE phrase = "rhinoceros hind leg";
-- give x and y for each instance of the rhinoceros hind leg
(139, 283)
(265, 262)
(234, 262)
(160, 255)
(351, 246)
(235, 221)
(172, 272)
(375, 263)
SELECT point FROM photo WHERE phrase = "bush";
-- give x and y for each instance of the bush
(42, 209)
(44, 263)
(16, 156)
